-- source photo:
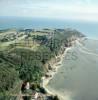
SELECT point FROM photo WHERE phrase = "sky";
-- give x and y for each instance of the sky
(86, 10)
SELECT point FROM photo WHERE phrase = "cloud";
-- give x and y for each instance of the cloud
(61, 9)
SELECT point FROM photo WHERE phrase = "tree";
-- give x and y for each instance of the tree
(8, 77)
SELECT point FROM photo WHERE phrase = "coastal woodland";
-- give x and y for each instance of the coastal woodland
(25, 56)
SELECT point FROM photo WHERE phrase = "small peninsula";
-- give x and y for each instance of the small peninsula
(28, 60)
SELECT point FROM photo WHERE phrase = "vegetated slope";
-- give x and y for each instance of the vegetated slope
(21, 61)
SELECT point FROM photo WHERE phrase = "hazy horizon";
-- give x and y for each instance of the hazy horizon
(82, 14)
(84, 10)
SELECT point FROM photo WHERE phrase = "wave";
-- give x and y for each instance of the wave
(84, 49)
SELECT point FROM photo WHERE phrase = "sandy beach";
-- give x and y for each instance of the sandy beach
(56, 66)
(76, 79)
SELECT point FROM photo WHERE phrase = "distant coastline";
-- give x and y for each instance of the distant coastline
(88, 28)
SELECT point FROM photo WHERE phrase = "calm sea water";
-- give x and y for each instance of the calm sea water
(88, 28)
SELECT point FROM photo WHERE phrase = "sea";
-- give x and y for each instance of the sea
(90, 29)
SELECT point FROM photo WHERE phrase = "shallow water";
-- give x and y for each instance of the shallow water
(77, 79)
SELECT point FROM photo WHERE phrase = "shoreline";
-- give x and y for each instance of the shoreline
(52, 73)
